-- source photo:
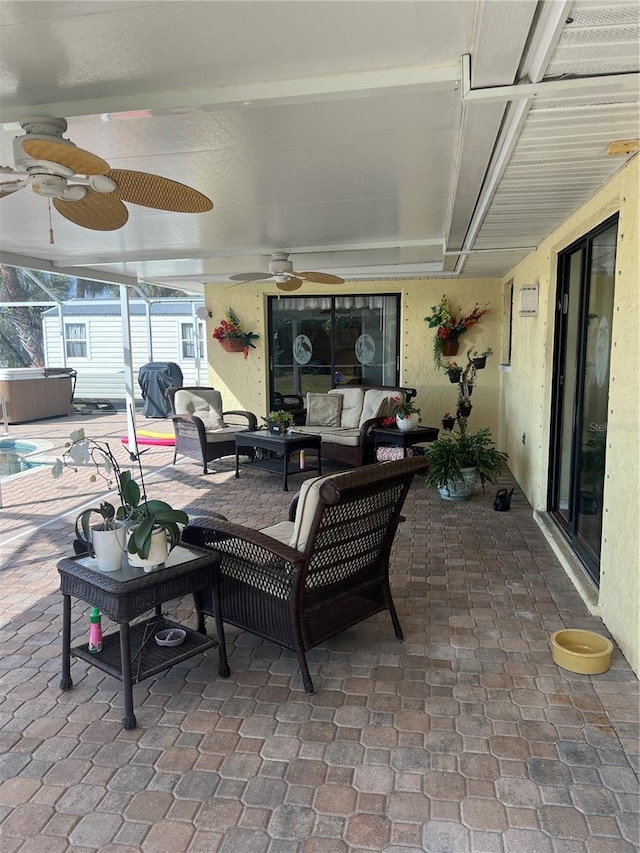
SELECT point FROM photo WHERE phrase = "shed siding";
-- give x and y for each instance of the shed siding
(101, 374)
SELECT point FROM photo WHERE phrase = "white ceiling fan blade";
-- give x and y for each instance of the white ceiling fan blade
(10, 187)
(9, 170)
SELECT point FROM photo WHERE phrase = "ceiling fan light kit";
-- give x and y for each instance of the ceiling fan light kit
(83, 187)
(284, 276)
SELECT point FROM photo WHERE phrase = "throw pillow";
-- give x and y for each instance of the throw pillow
(324, 410)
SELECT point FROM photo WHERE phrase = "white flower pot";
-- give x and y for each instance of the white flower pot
(409, 422)
(158, 552)
(459, 490)
(108, 546)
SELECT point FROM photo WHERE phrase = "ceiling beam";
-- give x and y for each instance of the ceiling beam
(547, 89)
(29, 263)
(306, 89)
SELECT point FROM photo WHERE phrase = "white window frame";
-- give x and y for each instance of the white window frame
(68, 340)
(196, 338)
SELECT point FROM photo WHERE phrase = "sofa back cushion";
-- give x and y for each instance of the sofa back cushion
(352, 401)
(305, 511)
(206, 404)
(324, 410)
(376, 404)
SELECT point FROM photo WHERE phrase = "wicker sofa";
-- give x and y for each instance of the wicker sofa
(345, 418)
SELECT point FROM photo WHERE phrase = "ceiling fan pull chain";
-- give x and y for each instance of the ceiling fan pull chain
(51, 239)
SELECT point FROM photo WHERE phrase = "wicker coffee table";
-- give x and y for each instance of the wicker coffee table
(131, 654)
(281, 445)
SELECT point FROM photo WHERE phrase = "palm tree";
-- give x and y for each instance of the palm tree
(21, 325)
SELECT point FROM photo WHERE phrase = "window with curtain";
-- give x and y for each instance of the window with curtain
(75, 337)
(323, 342)
(188, 340)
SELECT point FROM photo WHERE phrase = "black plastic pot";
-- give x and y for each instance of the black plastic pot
(448, 423)
(479, 363)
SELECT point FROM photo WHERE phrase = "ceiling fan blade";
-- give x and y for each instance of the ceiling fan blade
(9, 170)
(160, 193)
(82, 162)
(249, 276)
(292, 284)
(97, 211)
(10, 187)
(321, 277)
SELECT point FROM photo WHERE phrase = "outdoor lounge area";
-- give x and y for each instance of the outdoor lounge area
(465, 737)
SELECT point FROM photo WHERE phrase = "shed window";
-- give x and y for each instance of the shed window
(75, 337)
(188, 341)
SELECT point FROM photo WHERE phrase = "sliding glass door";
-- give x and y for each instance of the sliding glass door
(321, 342)
(586, 275)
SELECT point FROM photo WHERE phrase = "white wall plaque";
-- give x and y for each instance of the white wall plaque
(528, 306)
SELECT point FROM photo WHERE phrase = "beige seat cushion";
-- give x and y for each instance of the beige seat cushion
(333, 435)
(205, 404)
(282, 531)
(224, 433)
(376, 404)
(352, 402)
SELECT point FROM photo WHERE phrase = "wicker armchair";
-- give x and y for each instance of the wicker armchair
(203, 431)
(302, 581)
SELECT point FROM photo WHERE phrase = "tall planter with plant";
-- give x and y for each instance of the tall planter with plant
(458, 460)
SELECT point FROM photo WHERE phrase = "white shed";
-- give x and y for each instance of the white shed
(86, 335)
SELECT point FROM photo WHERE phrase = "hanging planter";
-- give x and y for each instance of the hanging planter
(450, 346)
(231, 344)
(450, 324)
(231, 336)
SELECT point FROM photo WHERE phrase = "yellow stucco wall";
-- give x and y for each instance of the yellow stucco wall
(243, 384)
(525, 399)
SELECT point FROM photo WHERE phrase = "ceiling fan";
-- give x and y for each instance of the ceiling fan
(83, 187)
(286, 278)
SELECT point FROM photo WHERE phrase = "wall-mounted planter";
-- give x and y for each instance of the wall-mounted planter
(232, 344)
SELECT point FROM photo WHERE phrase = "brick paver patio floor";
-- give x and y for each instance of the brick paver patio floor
(467, 737)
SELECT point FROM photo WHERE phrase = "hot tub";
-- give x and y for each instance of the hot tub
(32, 395)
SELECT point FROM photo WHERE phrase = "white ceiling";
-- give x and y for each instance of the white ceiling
(351, 134)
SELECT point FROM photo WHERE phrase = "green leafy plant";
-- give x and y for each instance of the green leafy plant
(143, 516)
(448, 456)
(279, 418)
(403, 410)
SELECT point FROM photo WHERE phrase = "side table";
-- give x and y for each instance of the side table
(127, 593)
(394, 437)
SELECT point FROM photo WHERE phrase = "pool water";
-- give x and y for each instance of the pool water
(12, 455)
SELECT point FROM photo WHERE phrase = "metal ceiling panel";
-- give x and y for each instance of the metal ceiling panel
(334, 131)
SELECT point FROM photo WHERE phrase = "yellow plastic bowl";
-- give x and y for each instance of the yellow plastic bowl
(581, 651)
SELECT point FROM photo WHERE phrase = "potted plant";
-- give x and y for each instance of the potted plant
(407, 415)
(147, 521)
(231, 336)
(456, 462)
(448, 421)
(453, 371)
(450, 325)
(105, 540)
(479, 359)
(278, 422)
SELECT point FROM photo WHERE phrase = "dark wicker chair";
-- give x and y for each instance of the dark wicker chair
(194, 436)
(337, 575)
